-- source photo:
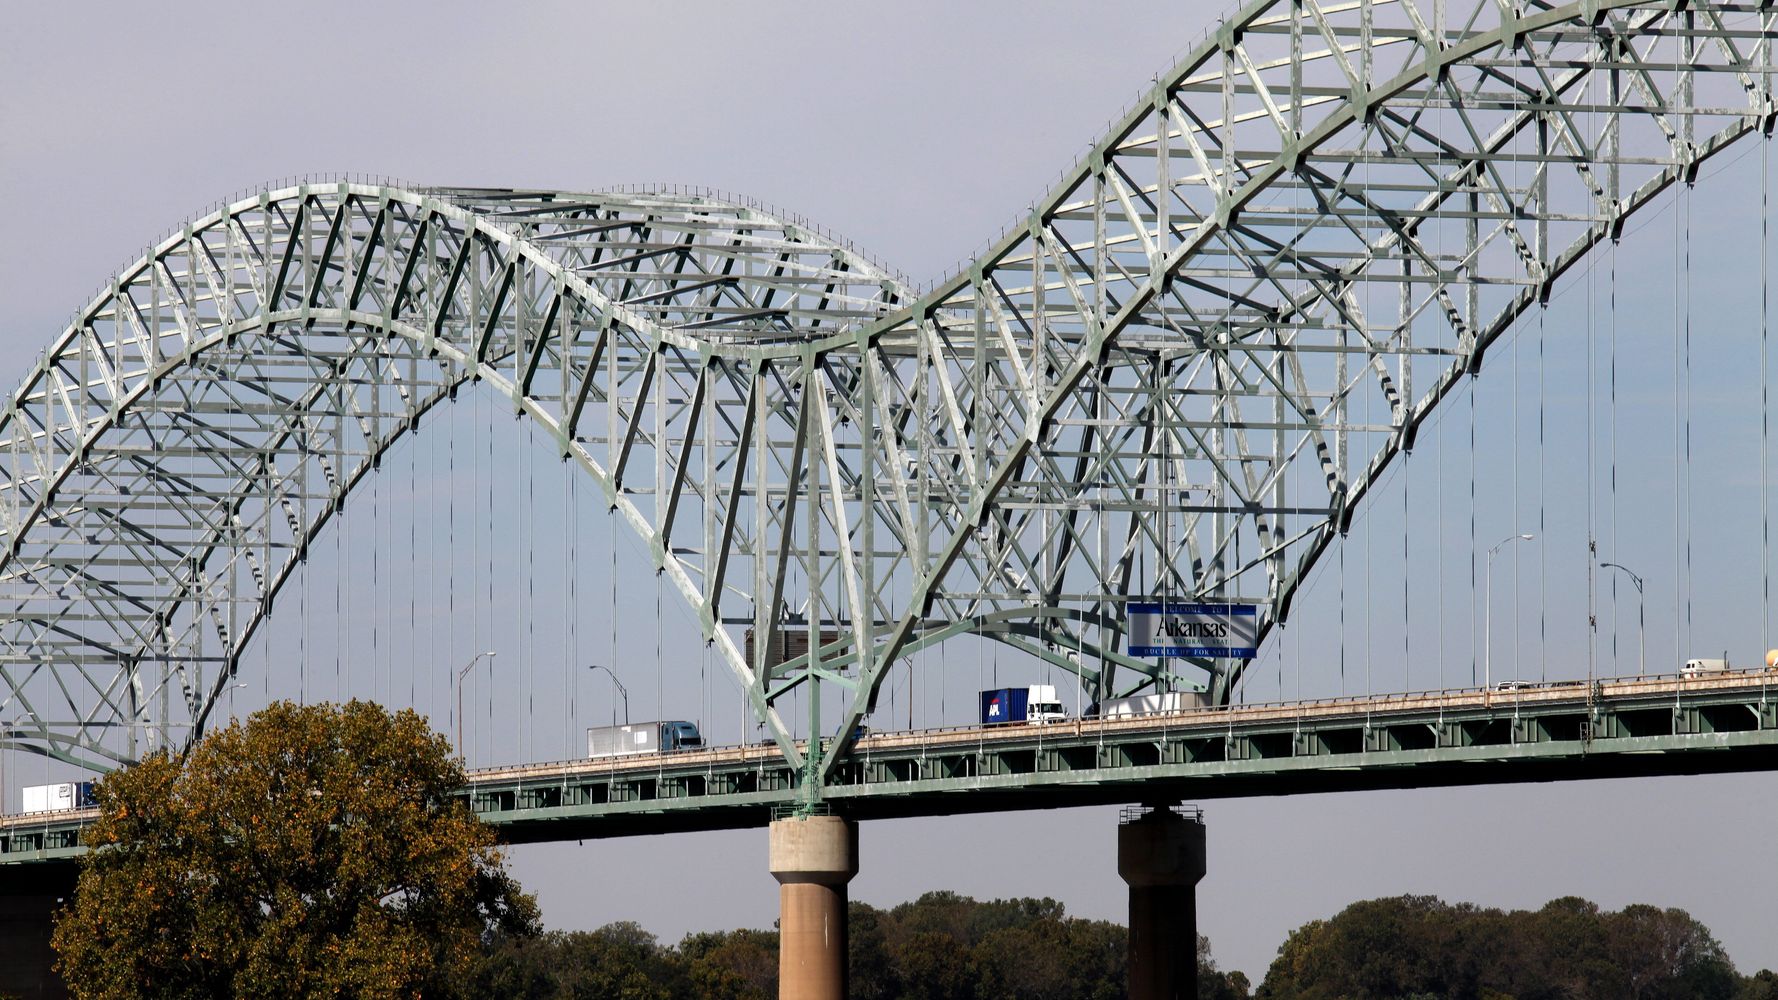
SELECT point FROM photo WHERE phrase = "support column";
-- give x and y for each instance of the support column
(1160, 853)
(812, 858)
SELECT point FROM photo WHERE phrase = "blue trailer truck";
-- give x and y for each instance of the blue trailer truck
(1035, 704)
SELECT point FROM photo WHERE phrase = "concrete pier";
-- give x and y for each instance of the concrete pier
(1160, 854)
(812, 858)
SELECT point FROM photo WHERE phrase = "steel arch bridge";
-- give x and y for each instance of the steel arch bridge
(1176, 379)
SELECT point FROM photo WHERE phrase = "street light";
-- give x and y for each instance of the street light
(1488, 611)
(490, 654)
(1641, 619)
(620, 690)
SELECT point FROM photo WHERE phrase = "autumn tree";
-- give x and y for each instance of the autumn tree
(312, 851)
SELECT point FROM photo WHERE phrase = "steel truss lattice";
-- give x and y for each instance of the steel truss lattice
(1177, 379)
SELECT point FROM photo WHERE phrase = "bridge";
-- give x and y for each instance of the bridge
(1179, 380)
(1616, 728)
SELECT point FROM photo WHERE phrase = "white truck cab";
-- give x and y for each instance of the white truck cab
(1042, 707)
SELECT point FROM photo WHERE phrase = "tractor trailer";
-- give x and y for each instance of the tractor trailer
(642, 737)
(1036, 705)
(59, 797)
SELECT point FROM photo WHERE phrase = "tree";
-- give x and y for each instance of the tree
(733, 965)
(1763, 985)
(1418, 946)
(312, 851)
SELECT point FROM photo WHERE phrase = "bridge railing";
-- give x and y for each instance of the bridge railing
(767, 753)
(1200, 717)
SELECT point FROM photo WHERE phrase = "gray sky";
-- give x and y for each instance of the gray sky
(916, 130)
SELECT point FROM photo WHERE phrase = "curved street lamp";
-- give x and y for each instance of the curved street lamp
(620, 690)
(490, 654)
(1641, 617)
(1488, 611)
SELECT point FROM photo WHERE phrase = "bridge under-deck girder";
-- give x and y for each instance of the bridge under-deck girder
(1560, 731)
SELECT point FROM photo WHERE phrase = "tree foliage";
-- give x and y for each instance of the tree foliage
(1413, 947)
(312, 851)
(942, 946)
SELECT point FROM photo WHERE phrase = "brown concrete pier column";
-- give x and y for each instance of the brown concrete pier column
(1160, 853)
(812, 858)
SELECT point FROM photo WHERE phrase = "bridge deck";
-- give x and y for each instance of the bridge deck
(1565, 730)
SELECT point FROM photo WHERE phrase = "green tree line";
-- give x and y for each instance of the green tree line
(942, 946)
(1421, 948)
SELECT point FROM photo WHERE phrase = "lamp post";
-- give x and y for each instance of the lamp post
(1488, 611)
(620, 690)
(1641, 617)
(490, 654)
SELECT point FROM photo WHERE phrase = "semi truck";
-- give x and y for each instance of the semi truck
(642, 737)
(1149, 704)
(1036, 704)
(59, 797)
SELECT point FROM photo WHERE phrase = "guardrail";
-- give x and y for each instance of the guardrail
(1527, 693)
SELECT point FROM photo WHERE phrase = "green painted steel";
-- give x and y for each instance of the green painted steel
(1177, 378)
(1617, 728)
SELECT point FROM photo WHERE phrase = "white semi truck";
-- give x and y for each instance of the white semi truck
(59, 797)
(1150, 704)
(642, 737)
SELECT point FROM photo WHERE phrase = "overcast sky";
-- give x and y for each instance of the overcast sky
(917, 130)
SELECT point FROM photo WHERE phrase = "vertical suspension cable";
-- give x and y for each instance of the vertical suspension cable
(302, 636)
(1517, 327)
(1473, 665)
(571, 518)
(1611, 333)
(1543, 574)
(1592, 483)
(488, 432)
(340, 631)
(1687, 527)
(611, 543)
(529, 523)
(1678, 510)
(451, 548)
(376, 561)
(660, 672)
(1765, 409)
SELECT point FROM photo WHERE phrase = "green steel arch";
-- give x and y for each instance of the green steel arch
(172, 459)
(1176, 378)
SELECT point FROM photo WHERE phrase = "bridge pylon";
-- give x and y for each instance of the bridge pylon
(1160, 853)
(813, 857)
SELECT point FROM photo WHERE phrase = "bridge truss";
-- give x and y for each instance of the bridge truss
(1176, 379)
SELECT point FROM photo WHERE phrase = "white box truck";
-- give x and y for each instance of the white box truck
(59, 797)
(1698, 668)
(642, 737)
(1152, 704)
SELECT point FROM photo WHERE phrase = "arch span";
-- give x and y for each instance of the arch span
(172, 459)
(1176, 378)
